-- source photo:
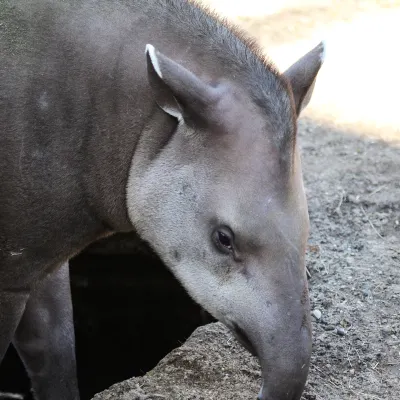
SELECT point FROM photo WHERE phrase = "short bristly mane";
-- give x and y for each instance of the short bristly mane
(234, 32)
(241, 56)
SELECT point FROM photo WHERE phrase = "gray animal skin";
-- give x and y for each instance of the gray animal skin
(160, 118)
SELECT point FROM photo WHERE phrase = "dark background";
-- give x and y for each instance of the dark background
(129, 312)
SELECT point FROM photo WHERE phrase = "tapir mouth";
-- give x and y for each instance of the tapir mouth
(242, 338)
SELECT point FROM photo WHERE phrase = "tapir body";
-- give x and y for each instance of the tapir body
(160, 118)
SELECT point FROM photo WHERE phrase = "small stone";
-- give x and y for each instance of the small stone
(366, 291)
(340, 331)
(317, 314)
(352, 372)
(327, 303)
(386, 331)
(329, 328)
(322, 337)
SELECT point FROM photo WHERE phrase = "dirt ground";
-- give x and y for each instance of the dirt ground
(210, 365)
(353, 189)
(350, 140)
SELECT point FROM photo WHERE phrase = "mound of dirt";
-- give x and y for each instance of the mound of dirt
(210, 365)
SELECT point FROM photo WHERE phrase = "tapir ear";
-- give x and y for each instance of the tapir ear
(302, 76)
(178, 91)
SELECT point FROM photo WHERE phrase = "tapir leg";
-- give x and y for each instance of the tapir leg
(12, 305)
(45, 339)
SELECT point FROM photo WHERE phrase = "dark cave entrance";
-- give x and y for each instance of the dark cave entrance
(129, 312)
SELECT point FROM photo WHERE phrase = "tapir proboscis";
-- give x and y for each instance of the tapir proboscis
(161, 118)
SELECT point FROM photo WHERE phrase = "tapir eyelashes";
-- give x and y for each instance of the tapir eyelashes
(223, 239)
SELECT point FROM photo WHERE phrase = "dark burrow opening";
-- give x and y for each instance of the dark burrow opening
(129, 312)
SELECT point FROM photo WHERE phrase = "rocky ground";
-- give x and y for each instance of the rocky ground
(353, 188)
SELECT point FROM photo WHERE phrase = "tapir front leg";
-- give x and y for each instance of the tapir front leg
(12, 305)
(45, 339)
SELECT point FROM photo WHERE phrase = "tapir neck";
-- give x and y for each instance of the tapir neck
(111, 139)
(125, 123)
(77, 111)
(94, 98)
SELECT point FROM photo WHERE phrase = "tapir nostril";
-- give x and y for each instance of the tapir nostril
(243, 339)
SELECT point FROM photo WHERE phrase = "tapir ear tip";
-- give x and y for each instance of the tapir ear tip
(151, 53)
(322, 55)
(149, 48)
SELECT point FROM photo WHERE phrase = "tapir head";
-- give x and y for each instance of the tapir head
(222, 202)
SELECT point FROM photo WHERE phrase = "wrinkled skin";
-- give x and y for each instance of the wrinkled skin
(195, 151)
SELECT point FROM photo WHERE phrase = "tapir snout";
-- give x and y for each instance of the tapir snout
(285, 367)
(285, 363)
(278, 332)
(285, 356)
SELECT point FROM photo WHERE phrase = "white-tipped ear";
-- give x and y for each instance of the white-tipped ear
(302, 76)
(323, 53)
(151, 52)
(178, 91)
(164, 96)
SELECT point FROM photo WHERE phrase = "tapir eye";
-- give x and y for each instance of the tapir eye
(223, 239)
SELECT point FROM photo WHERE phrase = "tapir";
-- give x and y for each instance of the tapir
(159, 118)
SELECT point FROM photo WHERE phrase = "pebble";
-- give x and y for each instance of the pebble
(321, 296)
(317, 314)
(340, 331)
(366, 291)
(322, 337)
(386, 330)
(328, 328)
